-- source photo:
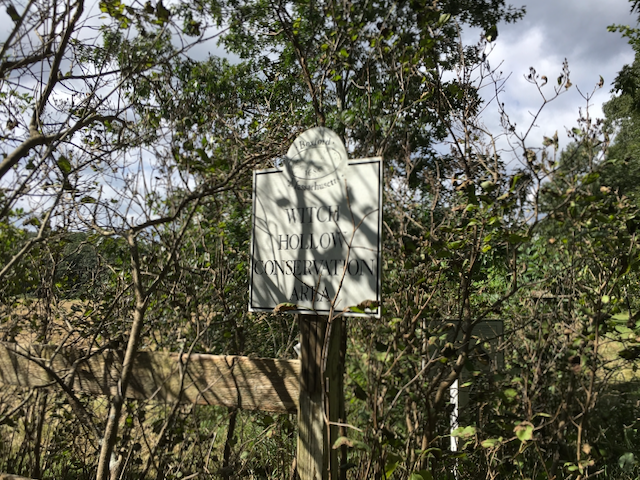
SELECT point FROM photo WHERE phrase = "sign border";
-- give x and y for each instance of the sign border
(303, 311)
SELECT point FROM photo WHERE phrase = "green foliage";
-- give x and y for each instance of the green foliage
(146, 210)
(372, 72)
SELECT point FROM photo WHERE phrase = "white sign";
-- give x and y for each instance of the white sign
(316, 230)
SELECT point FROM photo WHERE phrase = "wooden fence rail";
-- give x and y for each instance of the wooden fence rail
(8, 476)
(232, 381)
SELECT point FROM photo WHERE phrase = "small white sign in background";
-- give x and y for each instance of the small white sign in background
(316, 230)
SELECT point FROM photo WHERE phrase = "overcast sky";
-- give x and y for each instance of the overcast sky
(551, 31)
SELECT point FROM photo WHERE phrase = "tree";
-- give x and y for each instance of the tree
(621, 173)
(76, 155)
(147, 162)
(75, 159)
(621, 113)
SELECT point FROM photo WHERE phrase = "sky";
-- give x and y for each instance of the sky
(551, 31)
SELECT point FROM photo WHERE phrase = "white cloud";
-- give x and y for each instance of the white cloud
(550, 32)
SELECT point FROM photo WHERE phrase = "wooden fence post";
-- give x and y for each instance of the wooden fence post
(318, 414)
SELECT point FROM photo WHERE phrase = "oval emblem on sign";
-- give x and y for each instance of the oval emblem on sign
(315, 155)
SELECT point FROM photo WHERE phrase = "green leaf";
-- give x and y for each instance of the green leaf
(542, 414)
(524, 431)
(392, 464)
(491, 34)
(627, 461)
(471, 208)
(590, 178)
(266, 421)
(13, 13)
(621, 317)
(359, 393)
(444, 18)
(571, 467)
(162, 13)
(455, 245)
(623, 329)
(464, 432)
(510, 393)
(491, 442)
(203, 155)
(488, 186)
(64, 165)
(514, 181)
